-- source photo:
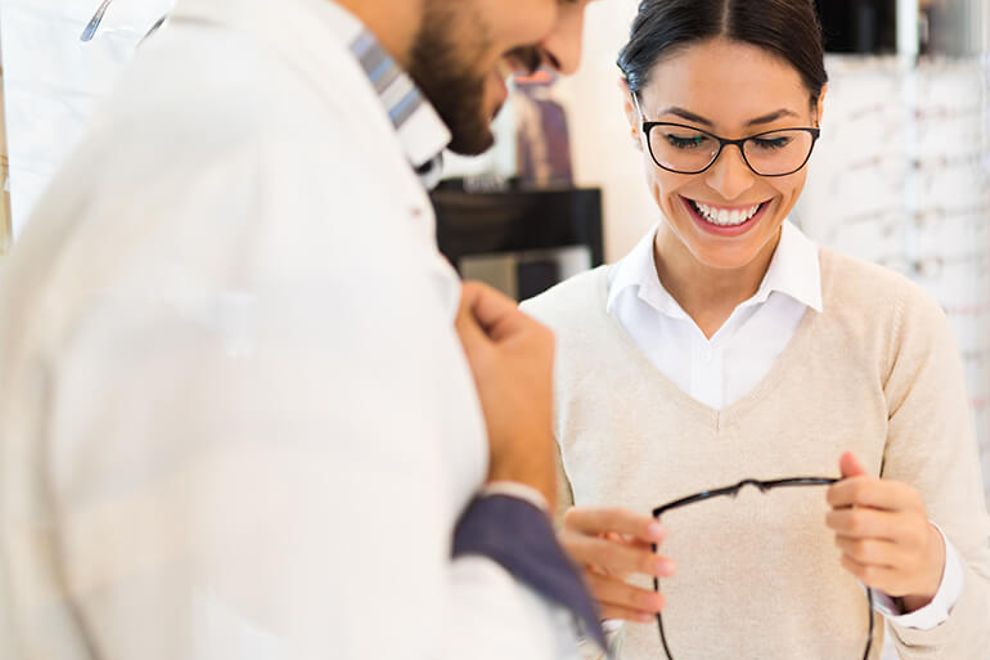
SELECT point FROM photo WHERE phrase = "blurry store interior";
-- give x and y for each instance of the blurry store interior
(900, 175)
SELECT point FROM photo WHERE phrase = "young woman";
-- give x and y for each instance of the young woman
(727, 347)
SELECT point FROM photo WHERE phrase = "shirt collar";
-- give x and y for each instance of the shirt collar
(795, 271)
(638, 271)
(311, 33)
(421, 131)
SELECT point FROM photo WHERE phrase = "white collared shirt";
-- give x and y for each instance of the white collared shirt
(719, 371)
(237, 421)
(722, 370)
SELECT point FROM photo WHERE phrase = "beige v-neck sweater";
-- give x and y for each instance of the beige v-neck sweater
(877, 372)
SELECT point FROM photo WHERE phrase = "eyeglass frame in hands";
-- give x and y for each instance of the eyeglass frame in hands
(648, 126)
(733, 491)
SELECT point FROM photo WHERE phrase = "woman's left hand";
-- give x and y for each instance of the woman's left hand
(885, 536)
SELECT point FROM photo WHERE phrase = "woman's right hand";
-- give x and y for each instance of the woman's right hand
(611, 545)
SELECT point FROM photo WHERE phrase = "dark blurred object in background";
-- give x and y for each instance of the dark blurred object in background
(859, 26)
(518, 240)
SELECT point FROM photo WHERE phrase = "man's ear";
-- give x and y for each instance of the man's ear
(632, 113)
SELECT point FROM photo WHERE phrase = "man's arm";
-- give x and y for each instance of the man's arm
(262, 470)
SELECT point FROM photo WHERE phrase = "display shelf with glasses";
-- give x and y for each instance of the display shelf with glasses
(900, 178)
(6, 225)
(56, 71)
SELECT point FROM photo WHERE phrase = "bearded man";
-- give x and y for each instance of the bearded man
(246, 409)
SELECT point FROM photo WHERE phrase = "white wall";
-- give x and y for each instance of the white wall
(603, 150)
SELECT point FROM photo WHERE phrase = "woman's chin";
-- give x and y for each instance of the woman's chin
(721, 261)
(721, 256)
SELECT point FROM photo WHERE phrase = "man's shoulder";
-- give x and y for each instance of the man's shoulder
(205, 91)
(232, 179)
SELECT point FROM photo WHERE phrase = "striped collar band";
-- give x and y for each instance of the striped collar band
(421, 131)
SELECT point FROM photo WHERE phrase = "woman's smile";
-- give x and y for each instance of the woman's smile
(726, 220)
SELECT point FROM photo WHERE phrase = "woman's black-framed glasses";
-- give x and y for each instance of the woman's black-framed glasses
(684, 149)
(732, 491)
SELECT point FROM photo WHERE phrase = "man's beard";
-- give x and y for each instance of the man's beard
(446, 73)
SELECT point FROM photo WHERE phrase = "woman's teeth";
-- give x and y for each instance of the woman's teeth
(725, 217)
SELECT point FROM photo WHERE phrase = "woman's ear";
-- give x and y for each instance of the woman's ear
(632, 113)
(821, 103)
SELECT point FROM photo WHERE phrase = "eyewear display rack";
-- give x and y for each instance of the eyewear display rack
(53, 78)
(6, 226)
(901, 178)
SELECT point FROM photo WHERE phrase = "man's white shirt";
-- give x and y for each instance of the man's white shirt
(236, 419)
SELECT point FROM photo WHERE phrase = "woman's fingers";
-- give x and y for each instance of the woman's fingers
(882, 578)
(885, 536)
(616, 594)
(599, 521)
(871, 551)
(863, 523)
(611, 545)
(615, 558)
(610, 613)
(616, 613)
(875, 493)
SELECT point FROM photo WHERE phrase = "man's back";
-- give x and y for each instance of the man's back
(235, 378)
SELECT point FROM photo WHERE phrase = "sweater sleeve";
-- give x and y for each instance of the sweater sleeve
(565, 495)
(931, 445)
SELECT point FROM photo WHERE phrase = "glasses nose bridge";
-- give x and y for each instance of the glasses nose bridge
(740, 146)
(734, 177)
(758, 485)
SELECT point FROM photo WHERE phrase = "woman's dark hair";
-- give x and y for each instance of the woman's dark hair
(787, 28)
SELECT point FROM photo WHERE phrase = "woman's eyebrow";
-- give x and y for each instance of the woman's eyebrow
(698, 119)
(688, 115)
(772, 117)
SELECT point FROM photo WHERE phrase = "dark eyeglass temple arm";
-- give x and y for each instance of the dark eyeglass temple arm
(733, 490)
